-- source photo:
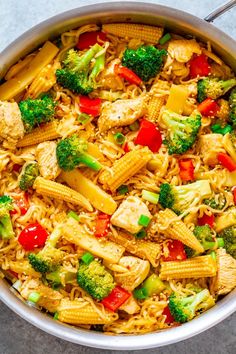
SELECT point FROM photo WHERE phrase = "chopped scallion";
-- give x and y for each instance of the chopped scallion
(56, 315)
(165, 38)
(144, 220)
(134, 126)
(87, 258)
(141, 234)
(119, 138)
(34, 297)
(123, 189)
(83, 118)
(217, 128)
(213, 255)
(140, 294)
(150, 196)
(73, 215)
(220, 242)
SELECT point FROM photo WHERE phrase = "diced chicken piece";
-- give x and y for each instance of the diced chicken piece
(183, 49)
(128, 214)
(130, 306)
(225, 279)
(47, 160)
(109, 79)
(121, 112)
(210, 145)
(11, 125)
(134, 271)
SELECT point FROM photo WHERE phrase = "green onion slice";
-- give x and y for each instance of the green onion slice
(140, 294)
(119, 138)
(83, 118)
(34, 297)
(141, 234)
(144, 220)
(220, 242)
(165, 38)
(123, 189)
(73, 215)
(87, 258)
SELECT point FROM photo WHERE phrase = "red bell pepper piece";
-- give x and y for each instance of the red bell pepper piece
(226, 161)
(88, 39)
(116, 298)
(169, 318)
(234, 194)
(208, 107)
(22, 202)
(199, 66)
(102, 225)
(90, 105)
(186, 170)
(33, 236)
(126, 147)
(127, 74)
(206, 220)
(149, 135)
(16, 167)
(14, 274)
(176, 251)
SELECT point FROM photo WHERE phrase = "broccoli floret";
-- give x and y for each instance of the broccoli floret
(181, 130)
(185, 308)
(232, 105)
(217, 203)
(28, 175)
(95, 279)
(180, 198)
(205, 237)
(146, 61)
(35, 112)
(72, 151)
(78, 74)
(49, 258)
(60, 277)
(6, 229)
(213, 88)
(229, 236)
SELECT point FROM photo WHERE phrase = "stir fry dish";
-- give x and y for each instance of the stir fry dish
(118, 178)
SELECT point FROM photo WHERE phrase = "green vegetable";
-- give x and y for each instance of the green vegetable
(140, 294)
(218, 202)
(150, 196)
(83, 118)
(229, 237)
(141, 234)
(180, 198)
(144, 220)
(60, 277)
(73, 215)
(185, 308)
(87, 258)
(71, 152)
(153, 285)
(146, 61)
(134, 126)
(38, 111)
(181, 131)
(56, 315)
(49, 258)
(123, 189)
(165, 39)
(6, 229)
(95, 279)
(34, 297)
(213, 88)
(213, 255)
(29, 173)
(79, 74)
(232, 105)
(218, 129)
(119, 138)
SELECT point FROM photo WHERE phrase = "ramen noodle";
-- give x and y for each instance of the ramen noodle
(117, 176)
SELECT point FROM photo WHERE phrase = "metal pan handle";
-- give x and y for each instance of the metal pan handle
(220, 10)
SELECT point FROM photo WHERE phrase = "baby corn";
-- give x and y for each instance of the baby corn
(124, 168)
(154, 106)
(177, 230)
(198, 267)
(83, 312)
(150, 34)
(59, 191)
(43, 133)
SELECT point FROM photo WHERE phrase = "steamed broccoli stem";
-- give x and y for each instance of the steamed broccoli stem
(86, 58)
(183, 309)
(90, 161)
(213, 88)
(6, 229)
(181, 131)
(28, 175)
(49, 258)
(37, 111)
(98, 66)
(232, 105)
